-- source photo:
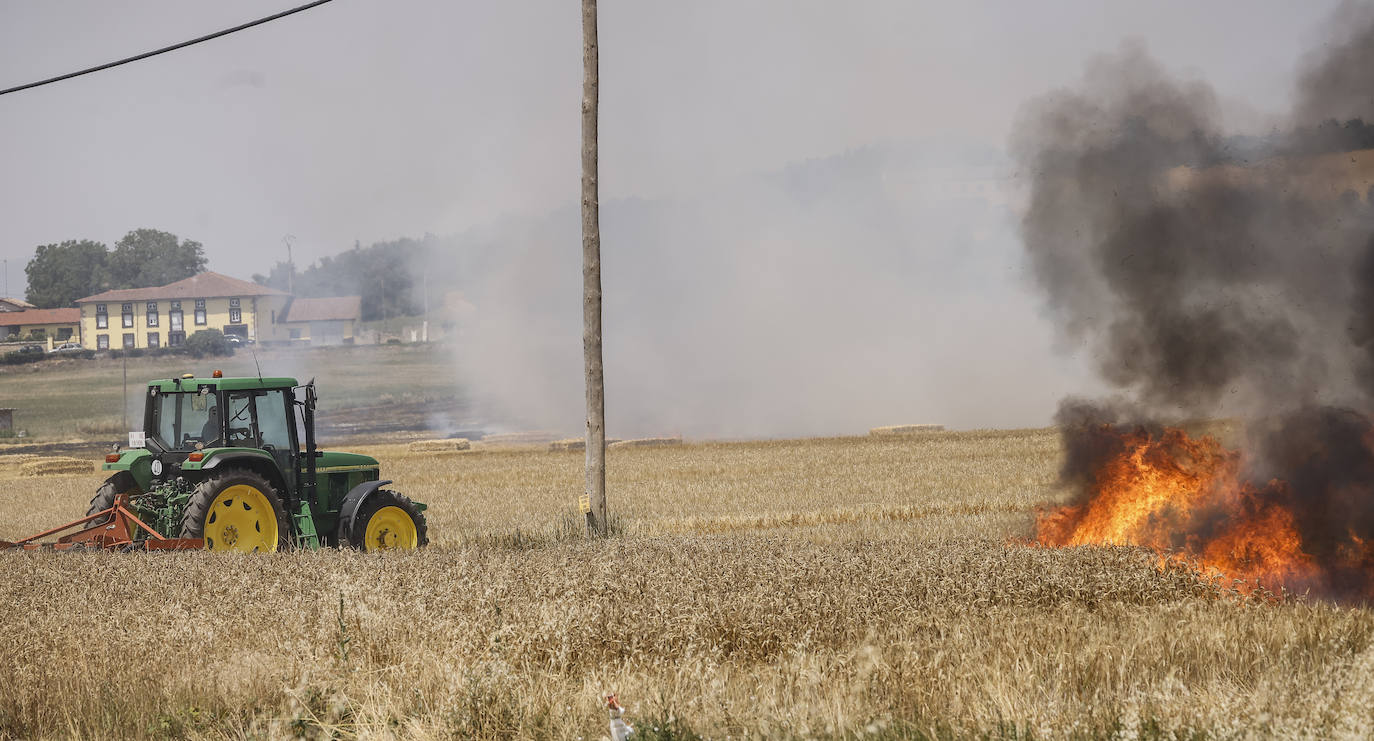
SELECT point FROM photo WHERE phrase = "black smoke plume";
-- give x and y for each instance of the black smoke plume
(1215, 274)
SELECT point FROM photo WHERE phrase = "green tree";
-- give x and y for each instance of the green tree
(278, 277)
(148, 257)
(59, 274)
(208, 342)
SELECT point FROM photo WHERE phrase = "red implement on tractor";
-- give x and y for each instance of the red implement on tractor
(110, 529)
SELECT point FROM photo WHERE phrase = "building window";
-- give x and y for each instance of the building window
(102, 320)
(102, 342)
(235, 313)
(200, 312)
(129, 340)
(152, 313)
(233, 303)
(153, 340)
(174, 339)
(274, 316)
(126, 314)
(174, 317)
(295, 334)
(64, 333)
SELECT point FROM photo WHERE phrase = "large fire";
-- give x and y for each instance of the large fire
(1187, 498)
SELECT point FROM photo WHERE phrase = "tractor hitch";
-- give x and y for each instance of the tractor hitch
(120, 533)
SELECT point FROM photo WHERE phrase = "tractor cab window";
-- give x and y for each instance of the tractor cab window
(242, 430)
(180, 420)
(257, 419)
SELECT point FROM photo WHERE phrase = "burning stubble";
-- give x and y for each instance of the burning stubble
(1214, 274)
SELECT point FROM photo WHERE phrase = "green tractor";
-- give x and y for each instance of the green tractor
(233, 462)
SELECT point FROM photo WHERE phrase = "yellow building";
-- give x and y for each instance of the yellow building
(49, 326)
(167, 315)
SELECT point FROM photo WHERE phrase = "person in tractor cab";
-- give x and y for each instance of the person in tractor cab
(210, 432)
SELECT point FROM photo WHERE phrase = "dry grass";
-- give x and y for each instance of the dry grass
(447, 445)
(898, 430)
(816, 588)
(57, 465)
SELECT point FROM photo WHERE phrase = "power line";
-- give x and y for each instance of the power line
(165, 49)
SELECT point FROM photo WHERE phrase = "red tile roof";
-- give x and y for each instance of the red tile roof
(324, 309)
(39, 316)
(202, 285)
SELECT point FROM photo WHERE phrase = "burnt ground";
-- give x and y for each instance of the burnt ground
(431, 419)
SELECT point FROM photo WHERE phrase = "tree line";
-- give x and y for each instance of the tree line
(63, 272)
(388, 276)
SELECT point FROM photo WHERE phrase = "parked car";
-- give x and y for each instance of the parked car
(30, 348)
(234, 339)
(68, 347)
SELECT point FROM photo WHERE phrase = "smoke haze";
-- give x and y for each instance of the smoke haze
(832, 296)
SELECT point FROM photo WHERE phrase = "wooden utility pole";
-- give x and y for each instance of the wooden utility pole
(591, 283)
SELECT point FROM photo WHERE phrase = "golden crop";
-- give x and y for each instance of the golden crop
(813, 588)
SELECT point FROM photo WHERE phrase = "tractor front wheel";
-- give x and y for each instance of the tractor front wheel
(387, 521)
(236, 511)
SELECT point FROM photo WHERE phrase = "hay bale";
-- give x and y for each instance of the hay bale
(904, 430)
(575, 443)
(533, 437)
(56, 466)
(648, 442)
(445, 445)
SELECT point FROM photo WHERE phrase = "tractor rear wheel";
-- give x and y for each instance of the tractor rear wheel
(236, 510)
(387, 521)
(120, 483)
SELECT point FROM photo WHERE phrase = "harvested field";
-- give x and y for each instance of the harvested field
(531, 437)
(447, 445)
(645, 442)
(39, 466)
(896, 430)
(797, 588)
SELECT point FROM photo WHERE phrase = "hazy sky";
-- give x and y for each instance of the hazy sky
(364, 120)
(369, 120)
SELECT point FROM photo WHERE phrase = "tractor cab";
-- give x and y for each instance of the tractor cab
(267, 415)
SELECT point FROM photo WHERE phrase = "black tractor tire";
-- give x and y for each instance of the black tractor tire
(120, 483)
(206, 507)
(354, 534)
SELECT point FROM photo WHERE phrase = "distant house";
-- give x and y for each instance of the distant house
(322, 321)
(166, 315)
(14, 304)
(49, 326)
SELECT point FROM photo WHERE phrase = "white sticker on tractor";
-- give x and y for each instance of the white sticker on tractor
(136, 439)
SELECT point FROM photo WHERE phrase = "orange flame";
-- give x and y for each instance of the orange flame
(1171, 492)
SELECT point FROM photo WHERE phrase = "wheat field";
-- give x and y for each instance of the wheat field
(827, 588)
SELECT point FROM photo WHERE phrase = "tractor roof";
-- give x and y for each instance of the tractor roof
(168, 385)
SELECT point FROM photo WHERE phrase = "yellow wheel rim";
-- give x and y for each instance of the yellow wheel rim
(241, 519)
(390, 528)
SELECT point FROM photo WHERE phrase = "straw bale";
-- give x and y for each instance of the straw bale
(648, 442)
(445, 445)
(575, 443)
(56, 466)
(902, 430)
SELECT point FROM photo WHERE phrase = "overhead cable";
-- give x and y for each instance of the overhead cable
(165, 49)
